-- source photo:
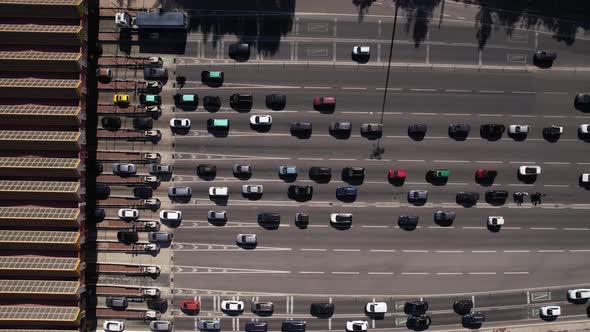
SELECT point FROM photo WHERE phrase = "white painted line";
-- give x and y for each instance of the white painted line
(461, 18)
(456, 114)
(543, 228)
(415, 273)
(310, 158)
(551, 250)
(374, 226)
(579, 250)
(483, 251)
(423, 113)
(354, 88)
(452, 161)
(524, 92)
(488, 114)
(576, 229)
(449, 273)
(508, 227)
(390, 89)
(346, 250)
(516, 273)
(311, 249)
(424, 90)
(521, 162)
(523, 116)
(473, 227)
(311, 272)
(449, 251)
(557, 162)
(380, 273)
(458, 90)
(411, 160)
(555, 93)
(491, 91)
(342, 272)
(555, 116)
(318, 87)
(342, 159)
(520, 185)
(489, 161)
(382, 250)
(482, 273)
(516, 251)
(415, 251)
(556, 185)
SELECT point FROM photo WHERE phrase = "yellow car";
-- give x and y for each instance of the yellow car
(121, 99)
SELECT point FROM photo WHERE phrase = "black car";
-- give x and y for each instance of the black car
(407, 222)
(444, 216)
(102, 191)
(239, 51)
(143, 123)
(544, 56)
(492, 131)
(300, 192)
(473, 319)
(117, 303)
(462, 306)
(241, 102)
(301, 220)
(111, 122)
(467, 198)
(150, 100)
(418, 322)
(417, 131)
(155, 74)
(293, 326)
(256, 326)
(99, 214)
(276, 102)
(496, 196)
(459, 130)
(262, 308)
(127, 237)
(212, 103)
(269, 219)
(206, 170)
(341, 128)
(98, 168)
(415, 308)
(582, 102)
(321, 310)
(324, 173)
(353, 173)
(372, 131)
(300, 129)
(183, 99)
(143, 192)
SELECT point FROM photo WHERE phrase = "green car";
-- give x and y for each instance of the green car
(150, 100)
(212, 77)
(218, 124)
(437, 175)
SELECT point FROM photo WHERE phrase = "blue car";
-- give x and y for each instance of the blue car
(346, 192)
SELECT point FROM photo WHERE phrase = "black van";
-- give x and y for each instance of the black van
(258, 326)
(293, 326)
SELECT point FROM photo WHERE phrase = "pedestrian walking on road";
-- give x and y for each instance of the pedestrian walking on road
(518, 198)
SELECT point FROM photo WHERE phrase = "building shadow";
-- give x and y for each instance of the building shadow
(260, 23)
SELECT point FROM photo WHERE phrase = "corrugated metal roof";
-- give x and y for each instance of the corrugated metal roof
(45, 213)
(37, 83)
(38, 263)
(37, 55)
(34, 162)
(26, 135)
(8, 236)
(39, 186)
(35, 313)
(31, 109)
(40, 28)
(39, 287)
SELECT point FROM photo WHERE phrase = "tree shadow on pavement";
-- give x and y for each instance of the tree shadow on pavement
(363, 6)
(418, 13)
(260, 23)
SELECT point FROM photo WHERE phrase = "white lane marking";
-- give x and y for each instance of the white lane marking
(374, 226)
(482, 273)
(543, 228)
(556, 162)
(449, 251)
(514, 272)
(489, 114)
(351, 88)
(312, 249)
(318, 87)
(347, 250)
(382, 250)
(555, 116)
(415, 273)
(579, 250)
(461, 18)
(489, 161)
(458, 90)
(516, 251)
(342, 159)
(449, 273)
(521, 162)
(310, 158)
(524, 116)
(456, 114)
(411, 160)
(380, 273)
(344, 272)
(415, 251)
(491, 91)
(555, 93)
(452, 161)
(424, 90)
(556, 185)
(546, 251)
(483, 251)
(508, 227)
(524, 92)
(390, 89)
(425, 113)
(576, 229)
(311, 272)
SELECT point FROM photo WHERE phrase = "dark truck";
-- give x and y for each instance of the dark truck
(153, 19)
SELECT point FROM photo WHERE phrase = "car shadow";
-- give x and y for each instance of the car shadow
(346, 199)
(218, 133)
(339, 135)
(243, 177)
(444, 223)
(260, 129)
(288, 178)
(458, 138)
(269, 226)
(417, 202)
(526, 179)
(583, 137)
(183, 200)
(171, 224)
(220, 201)
(246, 246)
(217, 223)
(466, 204)
(493, 229)
(374, 316)
(548, 318)
(551, 138)
(487, 182)
(205, 177)
(306, 135)
(416, 137)
(436, 182)
(577, 301)
(407, 228)
(542, 64)
(325, 109)
(517, 137)
(396, 182)
(472, 326)
(362, 59)
(341, 227)
(357, 181)
(252, 197)
(186, 108)
(180, 132)
(321, 180)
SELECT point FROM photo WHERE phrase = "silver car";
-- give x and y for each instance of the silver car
(157, 169)
(124, 169)
(287, 170)
(160, 236)
(417, 196)
(160, 325)
(217, 215)
(246, 239)
(174, 192)
(242, 169)
(208, 325)
(252, 189)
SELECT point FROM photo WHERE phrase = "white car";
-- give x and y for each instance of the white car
(495, 220)
(287, 170)
(578, 294)
(341, 218)
(585, 179)
(261, 120)
(180, 123)
(246, 239)
(519, 129)
(113, 326)
(361, 50)
(376, 308)
(170, 215)
(529, 170)
(218, 191)
(234, 307)
(128, 214)
(357, 325)
(252, 189)
(124, 169)
(550, 311)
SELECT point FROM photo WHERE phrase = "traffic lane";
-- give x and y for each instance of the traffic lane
(291, 274)
(266, 145)
(322, 240)
(461, 174)
(455, 103)
(396, 124)
(576, 54)
(371, 77)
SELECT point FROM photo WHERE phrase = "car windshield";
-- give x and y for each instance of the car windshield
(220, 123)
(150, 98)
(341, 218)
(215, 74)
(188, 97)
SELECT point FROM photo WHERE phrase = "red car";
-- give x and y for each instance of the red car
(397, 174)
(190, 306)
(485, 174)
(324, 103)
